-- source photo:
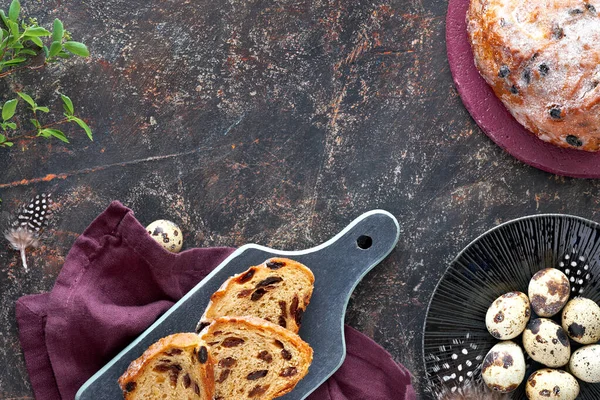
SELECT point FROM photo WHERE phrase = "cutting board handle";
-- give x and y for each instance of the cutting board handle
(346, 258)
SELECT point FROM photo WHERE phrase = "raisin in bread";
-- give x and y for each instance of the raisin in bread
(176, 367)
(277, 290)
(254, 358)
(542, 60)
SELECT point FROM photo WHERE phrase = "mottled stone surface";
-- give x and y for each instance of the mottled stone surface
(273, 122)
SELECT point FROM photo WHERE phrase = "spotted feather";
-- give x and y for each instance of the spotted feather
(30, 221)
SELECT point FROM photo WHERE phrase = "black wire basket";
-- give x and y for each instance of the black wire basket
(455, 337)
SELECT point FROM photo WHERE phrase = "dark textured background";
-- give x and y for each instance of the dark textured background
(273, 122)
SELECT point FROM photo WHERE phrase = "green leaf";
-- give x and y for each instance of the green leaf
(43, 133)
(57, 30)
(28, 52)
(67, 104)
(9, 109)
(15, 61)
(56, 133)
(36, 31)
(17, 45)
(84, 126)
(14, 10)
(35, 123)
(4, 18)
(6, 125)
(42, 109)
(55, 48)
(14, 29)
(27, 98)
(3, 141)
(79, 49)
(38, 42)
(46, 52)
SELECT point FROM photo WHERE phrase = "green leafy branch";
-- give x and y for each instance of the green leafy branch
(46, 131)
(22, 47)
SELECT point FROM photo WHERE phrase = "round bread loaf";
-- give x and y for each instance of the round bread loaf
(542, 59)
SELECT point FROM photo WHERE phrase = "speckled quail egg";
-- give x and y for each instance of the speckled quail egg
(581, 320)
(549, 383)
(585, 363)
(503, 367)
(546, 342)
(548, 292)
(167, 234)
(508, 315)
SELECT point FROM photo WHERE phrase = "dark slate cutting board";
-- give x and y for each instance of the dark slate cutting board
(338, 265)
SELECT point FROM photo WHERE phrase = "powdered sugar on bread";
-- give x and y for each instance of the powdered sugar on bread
(542, 60)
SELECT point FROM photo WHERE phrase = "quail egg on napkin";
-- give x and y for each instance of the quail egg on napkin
(167, 234)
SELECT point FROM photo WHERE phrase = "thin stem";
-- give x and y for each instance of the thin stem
(12, 71)
(37, 122)
(62, 121)
(3, 53)
(26, 135)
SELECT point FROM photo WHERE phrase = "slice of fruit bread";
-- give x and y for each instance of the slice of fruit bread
(254, 358)
(278, 290)
(176, 367)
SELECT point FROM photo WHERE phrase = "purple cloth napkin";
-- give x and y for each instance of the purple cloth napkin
(116, 281)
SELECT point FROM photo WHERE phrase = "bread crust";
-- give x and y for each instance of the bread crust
(226, 300)
(270, 330)
(179, 341)
(542, 61)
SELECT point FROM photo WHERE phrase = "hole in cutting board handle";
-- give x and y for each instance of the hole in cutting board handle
(364, 242)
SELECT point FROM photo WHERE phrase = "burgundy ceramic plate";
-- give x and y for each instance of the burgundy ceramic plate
(494, 119)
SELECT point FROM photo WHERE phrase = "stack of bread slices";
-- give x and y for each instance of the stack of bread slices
(246, 347)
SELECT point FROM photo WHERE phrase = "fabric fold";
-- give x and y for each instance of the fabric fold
(31, 317)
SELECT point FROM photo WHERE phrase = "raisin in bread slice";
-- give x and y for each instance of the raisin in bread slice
(254, 358)
(277, 290)
(176, 367)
